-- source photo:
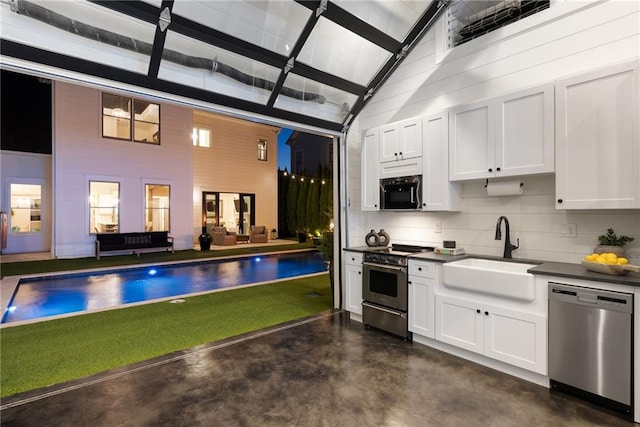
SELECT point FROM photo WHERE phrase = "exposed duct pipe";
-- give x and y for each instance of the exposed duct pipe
(47, 16)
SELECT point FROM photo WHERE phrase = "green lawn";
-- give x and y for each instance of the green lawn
(50, 352)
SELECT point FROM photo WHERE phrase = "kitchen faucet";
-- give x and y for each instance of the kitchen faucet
(508, 247)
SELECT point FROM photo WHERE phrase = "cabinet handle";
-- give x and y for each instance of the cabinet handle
(559, 200)
(419, 268)
(490, 170)
(375, 206)
(409, 282)
(395, 154)
(359, 272)
(498, 169)
(486, 313)
(478, 311)
(424, 204)
(401, 153)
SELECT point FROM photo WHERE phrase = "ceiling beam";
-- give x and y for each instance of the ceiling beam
(78, 65)
(356, 25)
(158, 40)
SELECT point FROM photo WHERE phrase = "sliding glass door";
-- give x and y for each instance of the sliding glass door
(235, 211)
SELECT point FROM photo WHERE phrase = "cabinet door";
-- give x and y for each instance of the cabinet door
(525, 132)
(353, 289)
(597, 139)
(472, 141)
(438, 194)
(422, 306)
(389, 142)
(459, 322)
(401, 140)
(369, 172)
(516, 338)
(411, 138)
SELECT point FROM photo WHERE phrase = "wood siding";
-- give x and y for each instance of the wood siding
(568, 38)
(81, 155)
(231, 165)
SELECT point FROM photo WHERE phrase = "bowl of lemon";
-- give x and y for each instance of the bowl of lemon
(609, 263)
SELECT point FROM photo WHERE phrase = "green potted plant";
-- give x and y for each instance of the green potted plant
(612, 243)
(326, 250)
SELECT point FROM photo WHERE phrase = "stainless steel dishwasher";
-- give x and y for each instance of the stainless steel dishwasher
(590, 351)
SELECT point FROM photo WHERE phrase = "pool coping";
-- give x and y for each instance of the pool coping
(9, 285)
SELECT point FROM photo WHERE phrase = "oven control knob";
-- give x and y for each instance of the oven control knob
(402, 261)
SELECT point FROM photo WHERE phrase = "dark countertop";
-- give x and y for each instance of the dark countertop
(546, 268)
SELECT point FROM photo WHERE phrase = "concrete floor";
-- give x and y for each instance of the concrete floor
(322, 371)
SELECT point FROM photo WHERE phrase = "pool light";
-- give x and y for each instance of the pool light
(152, 272)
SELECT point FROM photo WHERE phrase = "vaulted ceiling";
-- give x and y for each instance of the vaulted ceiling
(311, 62)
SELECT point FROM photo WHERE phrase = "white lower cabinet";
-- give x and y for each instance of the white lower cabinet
(353, 285)
(421, 304)
(511, 336)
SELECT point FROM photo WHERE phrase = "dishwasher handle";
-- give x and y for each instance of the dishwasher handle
(597, 298)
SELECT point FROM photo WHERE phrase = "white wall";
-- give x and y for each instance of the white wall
(81, 154)
(27, 168)
(569, 38)
(231, 166)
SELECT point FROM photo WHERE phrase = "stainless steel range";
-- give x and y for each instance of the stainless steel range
(385, 288)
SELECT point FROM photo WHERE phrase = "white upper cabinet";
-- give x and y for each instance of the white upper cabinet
(471, 141)
(524, 132)
(438, 194)
(370, 169)
(509, 135)
(597, 139)
(401, 140)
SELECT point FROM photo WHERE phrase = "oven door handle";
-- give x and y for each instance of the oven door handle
(387, 267)
(386, 310)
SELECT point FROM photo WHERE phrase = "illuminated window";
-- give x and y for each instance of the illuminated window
(117, 119)
(262, 150)
(25, 208)
(104, 207)
(201, 137)
(156, 207)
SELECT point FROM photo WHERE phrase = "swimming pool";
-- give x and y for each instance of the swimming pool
(69, 293)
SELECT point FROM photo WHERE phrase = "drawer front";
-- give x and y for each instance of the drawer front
(422, 269)
(353, 258)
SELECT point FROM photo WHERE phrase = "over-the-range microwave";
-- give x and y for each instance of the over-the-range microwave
(403, 193)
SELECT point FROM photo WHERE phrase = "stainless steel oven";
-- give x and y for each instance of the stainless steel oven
(384, 293)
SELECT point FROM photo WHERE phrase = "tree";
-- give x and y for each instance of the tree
(301, 215)
(292, 206)
(313, 206)
(326, 204)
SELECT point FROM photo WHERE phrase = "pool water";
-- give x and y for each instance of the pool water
(69, 293)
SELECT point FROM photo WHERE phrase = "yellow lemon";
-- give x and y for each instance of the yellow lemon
(589, 258)
(622, 261)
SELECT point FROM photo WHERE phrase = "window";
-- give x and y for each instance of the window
(117, 119)
(469, 19)
(25, 208)
(104, 207)
(201, 137)
(156, 207)
(262, 150)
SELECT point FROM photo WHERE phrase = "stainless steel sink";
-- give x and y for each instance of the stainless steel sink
(492, 277)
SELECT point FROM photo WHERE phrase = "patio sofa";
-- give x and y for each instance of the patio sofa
(258, 234)
(135, 242)
(220, 236)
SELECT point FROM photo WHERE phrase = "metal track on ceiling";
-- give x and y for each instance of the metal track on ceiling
(151, 14)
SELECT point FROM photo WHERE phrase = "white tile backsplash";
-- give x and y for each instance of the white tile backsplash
(532, 218)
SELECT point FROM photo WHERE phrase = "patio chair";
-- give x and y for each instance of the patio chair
(258, 234)
(220, 236)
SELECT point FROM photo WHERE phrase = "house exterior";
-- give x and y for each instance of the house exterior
(81, 156)
(308, 151)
